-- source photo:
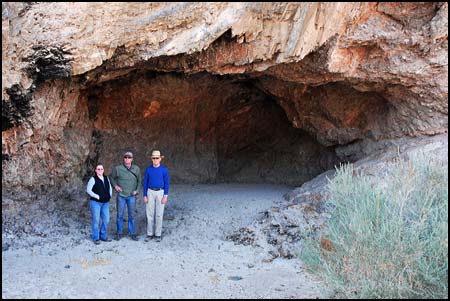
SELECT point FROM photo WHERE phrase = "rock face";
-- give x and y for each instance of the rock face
(243, 92)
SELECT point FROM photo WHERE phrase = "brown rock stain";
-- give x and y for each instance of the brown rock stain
(152, 109)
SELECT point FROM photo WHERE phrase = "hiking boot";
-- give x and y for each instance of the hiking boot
(117, 236)
(149, 237)
(134, 237)
(158, 238)
(106, 240)
(97, 242)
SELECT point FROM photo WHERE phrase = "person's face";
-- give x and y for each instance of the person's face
(99, 170)
(127, 160)
(156, 160)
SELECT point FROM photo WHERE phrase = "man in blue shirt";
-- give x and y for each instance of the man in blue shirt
(156, 192)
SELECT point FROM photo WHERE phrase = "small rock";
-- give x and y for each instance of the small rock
(5, 247)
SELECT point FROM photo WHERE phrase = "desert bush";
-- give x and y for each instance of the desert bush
(387, 236)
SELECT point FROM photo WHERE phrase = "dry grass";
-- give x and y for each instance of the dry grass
(388, 236)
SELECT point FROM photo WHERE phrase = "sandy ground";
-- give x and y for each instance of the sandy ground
(192, 261)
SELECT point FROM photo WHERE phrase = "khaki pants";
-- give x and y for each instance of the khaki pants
(155, 211)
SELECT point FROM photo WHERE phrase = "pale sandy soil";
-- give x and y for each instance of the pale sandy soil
(192, 261)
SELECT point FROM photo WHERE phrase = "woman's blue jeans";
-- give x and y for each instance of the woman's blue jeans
(99, 210)
(130, 201)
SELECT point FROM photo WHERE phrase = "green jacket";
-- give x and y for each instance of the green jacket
(122, 176)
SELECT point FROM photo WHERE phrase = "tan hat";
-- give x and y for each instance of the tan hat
(156, 153)
(128, 154)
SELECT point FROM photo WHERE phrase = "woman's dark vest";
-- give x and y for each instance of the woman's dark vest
(101, 189)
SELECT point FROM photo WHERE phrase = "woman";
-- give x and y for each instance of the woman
(100, 191)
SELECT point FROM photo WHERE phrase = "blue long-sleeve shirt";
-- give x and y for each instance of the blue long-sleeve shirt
(156, 177)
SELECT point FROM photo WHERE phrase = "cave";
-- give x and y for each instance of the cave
(210, 128)
(229, 92)
(285, 125)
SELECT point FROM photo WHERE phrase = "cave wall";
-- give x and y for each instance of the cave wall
(151, 111)
(53, 141)
(209, 128)
(350, 75)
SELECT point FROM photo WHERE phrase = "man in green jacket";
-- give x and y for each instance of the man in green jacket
(126, 180)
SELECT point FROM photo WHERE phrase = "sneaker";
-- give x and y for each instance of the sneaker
(149, 237)
(97, 242)
(117, 236)
(107, 240)
(158, 238)
(134, 237)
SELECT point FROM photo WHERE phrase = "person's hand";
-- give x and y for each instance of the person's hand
(117, 188)
(134, 192)
(164, 200)
(145, 200)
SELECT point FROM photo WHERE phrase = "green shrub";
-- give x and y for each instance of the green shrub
(388, 234)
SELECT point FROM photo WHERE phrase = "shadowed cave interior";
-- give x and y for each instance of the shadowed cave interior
(210, 128)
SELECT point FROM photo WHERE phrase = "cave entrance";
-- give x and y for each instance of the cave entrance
(211, 129)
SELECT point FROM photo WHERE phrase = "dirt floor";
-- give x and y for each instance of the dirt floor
(192, 261)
